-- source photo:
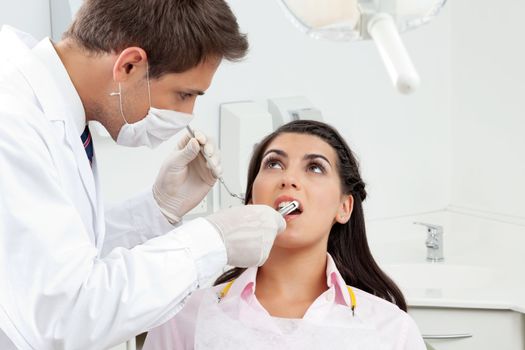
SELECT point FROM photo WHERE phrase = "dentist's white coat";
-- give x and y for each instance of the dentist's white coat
(62, 285)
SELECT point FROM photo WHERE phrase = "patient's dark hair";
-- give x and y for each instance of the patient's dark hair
(347, 243)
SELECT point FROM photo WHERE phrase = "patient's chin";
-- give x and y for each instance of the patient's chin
(293, 238)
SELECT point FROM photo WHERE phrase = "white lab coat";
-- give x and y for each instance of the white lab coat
(58, 289)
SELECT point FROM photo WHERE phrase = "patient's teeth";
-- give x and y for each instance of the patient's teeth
(283, 204)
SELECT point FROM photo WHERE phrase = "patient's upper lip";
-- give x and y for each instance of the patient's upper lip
(285, 198)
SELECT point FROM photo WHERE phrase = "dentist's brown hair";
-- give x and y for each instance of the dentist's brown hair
(347, 243)
(177, 35)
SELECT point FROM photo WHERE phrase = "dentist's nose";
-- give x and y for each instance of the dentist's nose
(188, 105)
(188, 108)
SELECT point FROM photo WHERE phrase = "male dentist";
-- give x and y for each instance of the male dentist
(71, 275)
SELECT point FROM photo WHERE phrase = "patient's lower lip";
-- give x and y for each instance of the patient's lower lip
(291, 216)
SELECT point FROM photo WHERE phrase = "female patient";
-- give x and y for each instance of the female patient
(320, 287)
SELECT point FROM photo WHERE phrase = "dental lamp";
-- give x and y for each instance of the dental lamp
(378, 20)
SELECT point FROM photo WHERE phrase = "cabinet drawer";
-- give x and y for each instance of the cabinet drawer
(470, 329)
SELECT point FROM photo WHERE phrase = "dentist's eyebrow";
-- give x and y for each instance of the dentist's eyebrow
(314, 156)
(278, 151)
(194, 92)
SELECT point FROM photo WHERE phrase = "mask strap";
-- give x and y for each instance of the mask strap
(119, 94)
(149, 87)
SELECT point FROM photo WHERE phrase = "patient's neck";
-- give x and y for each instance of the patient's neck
(290, 281)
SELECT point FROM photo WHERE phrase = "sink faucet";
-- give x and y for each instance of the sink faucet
(434, 242)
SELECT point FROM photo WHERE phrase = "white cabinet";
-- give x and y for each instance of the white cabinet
(482, 329)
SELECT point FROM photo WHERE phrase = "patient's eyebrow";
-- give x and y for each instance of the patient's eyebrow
(278, 151)
(313, 156)
(283, 154)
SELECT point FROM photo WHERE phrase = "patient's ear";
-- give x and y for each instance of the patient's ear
(345, 209)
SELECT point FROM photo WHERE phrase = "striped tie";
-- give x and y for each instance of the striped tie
(88, 144)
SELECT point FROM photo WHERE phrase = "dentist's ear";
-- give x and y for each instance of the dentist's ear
(345, 209)
(128, 63)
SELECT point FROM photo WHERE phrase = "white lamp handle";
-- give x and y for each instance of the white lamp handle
(382, 29)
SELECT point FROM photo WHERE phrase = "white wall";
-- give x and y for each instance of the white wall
(31, 16)
(488, 106)
(60, 17)
(456, 142)
(402, 141)
(40, 18)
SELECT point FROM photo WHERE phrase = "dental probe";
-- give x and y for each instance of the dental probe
(221, 180)
(287, 209)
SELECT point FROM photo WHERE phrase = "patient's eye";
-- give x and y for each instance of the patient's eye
(272, 163)
(316, 168)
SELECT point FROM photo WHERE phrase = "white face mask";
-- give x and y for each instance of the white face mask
(156, 127)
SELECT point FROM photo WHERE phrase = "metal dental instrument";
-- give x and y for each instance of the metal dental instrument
(287, 209)
(221, 180)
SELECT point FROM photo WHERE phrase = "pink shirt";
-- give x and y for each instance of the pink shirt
(395, 328)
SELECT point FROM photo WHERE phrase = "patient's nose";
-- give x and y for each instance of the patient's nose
(289, 180)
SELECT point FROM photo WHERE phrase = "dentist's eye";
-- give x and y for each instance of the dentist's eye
(272, 163)
(184, 96)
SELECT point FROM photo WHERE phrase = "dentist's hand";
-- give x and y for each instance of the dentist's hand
(186, 176)
(248, 233)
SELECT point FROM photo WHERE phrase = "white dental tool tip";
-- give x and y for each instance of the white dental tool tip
(287, 209)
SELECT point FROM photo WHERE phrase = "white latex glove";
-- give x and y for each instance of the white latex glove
(248, 233)
(186, 176)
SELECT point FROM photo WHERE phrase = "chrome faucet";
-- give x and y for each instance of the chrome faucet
(434, 242)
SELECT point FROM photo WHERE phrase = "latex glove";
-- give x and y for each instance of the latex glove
(186, 176)
(248, 233)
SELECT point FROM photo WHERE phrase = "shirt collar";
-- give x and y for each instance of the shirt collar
(46, 52)
(335, 280)
(244, 285)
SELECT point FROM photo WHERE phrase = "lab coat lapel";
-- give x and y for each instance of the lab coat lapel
(52, 103)
(100, 221)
